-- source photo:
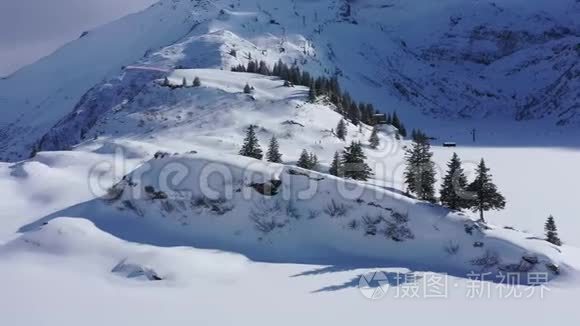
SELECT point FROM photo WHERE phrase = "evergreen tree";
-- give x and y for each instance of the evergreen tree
(402, 130)
(251, 147)
(306, 160)
(389, 119)
(454, 186)
(485, 193)
(196, 82)
(341, 131)
(419, 136)
(273, 153)
(311, 95)
(336, 165)
(420, 171)
(313, 161)
(395, 122)
(184, 82)
(552, 231)
(263, 69)
(247, 89)
(374, 141)
(305, 79)
(252, 66)
(354, 113)
(165, 81)
(353, 163)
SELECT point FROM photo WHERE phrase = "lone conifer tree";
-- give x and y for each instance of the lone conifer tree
(336, 165)
(196, 82)
(485, 193)
(251, 147)
(374, 141)
(311, 95)
(341, 130)
(247, 89)
(395, 122)
(552, 231)
(184, 82)
(353, 163)
(420, 171)
(402, 130)
(454, 185)
(273, 154)
(165, 81)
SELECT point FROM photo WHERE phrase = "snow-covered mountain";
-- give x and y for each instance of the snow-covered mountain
(452, 59)
(122, 175)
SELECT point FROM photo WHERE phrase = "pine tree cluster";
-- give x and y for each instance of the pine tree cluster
(321, 86)
(166, 83)
(418, 135)
(307, 160)
(456, 193)
(395, 121)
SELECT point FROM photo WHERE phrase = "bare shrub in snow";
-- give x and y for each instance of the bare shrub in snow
(292, 211)
(130, 206)
(335, 210)
(267, 215)
(451, 248)
(167, 206)
(218, 206)
(371, 224)
(398, 231)
(312, 214)
(489, 259)
(353, 225)
(399, 217)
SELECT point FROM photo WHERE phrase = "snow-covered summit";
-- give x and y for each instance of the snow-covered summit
(471, 59)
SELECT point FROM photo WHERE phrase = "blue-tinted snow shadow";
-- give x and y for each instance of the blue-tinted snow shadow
(128, 226)
(374, 280)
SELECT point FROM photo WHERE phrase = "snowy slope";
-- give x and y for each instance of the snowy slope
(219, 202)
(473, 59)
(192, 235)
(36, 97)
(62, 274)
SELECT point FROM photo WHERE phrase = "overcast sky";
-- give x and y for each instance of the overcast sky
(31, 29)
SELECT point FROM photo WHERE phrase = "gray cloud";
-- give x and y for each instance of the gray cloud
(31, 29)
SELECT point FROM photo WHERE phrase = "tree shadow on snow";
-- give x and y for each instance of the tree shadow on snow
(373, 280)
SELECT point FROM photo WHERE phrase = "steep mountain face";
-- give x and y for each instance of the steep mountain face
(450, 59)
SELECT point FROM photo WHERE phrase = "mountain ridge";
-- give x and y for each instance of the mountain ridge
(473, 60)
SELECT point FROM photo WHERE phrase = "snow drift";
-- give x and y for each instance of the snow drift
(273, 212)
